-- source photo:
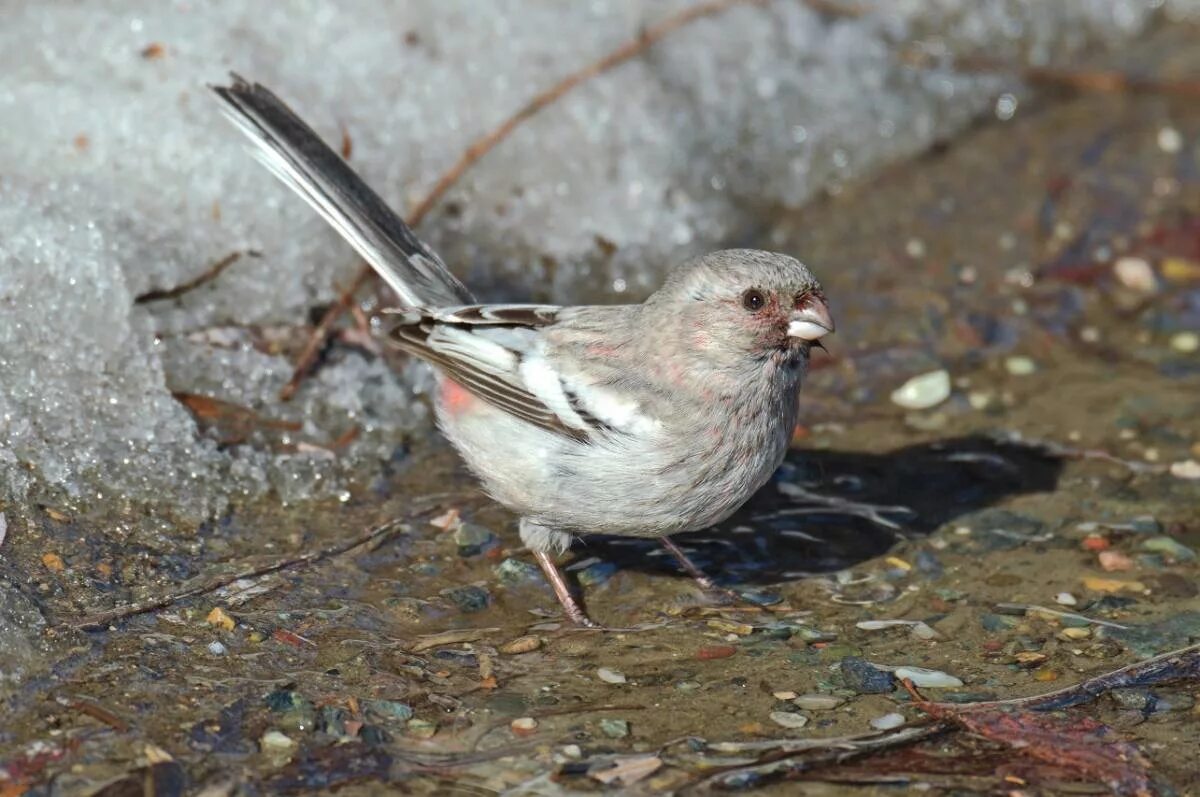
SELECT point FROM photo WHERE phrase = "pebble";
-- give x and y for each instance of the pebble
(917, 628)
(1113, 561)
(930, 679)
(516, 571)
(1187, 469)
(389, 709)
(610, 676)
(980, 400)
(614, 729)
(472, 538)
(285, 700)
(523, 726)
(1136, 274)
(594, 575)
(332, 720)
(864, 677)
(274, 740)
(740, 629)
(928, 563)
(522, 644)
(296, 712)
(997, 622)
(373, 735)
(1170, 140)
(1112, 585)
(818, 702)
(926, 421)
(220, 618)
(1066, 599)
(1180, 269)
(789, 719)
(469, 598)
(1170, 548)
(715, 652)
(784, 695)
(887, 722)
(421, 729)
(837, 652)
(924, 391)
(1020, 366)
(217, 649)
(1185, 342)
(1075, 634)
(760, 597)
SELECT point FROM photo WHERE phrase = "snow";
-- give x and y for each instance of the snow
(118, 176)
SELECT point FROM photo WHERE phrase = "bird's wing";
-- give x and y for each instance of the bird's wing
(499, 353)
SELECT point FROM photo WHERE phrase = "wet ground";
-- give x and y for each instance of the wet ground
(1050, 264)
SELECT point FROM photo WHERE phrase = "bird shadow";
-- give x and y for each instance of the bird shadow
(783, 534)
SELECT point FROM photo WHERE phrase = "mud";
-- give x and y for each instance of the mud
(991, 257)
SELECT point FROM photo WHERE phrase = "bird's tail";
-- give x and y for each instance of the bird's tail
(299, 157)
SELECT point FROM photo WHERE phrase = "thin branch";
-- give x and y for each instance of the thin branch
(1060, 451)
(98, 712)
(1026, 607)
(1096, 80)
(802, 755)
(209, 274)
(1109, 81)
(485, 144)
(556, 712)
(1175, 665)
(316, 341)
(102, 620)
(791, 757)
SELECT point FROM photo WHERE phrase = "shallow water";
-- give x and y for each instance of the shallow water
(996, 246)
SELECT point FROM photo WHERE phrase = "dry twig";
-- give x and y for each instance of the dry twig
(101, 620)
(796, 758)
(209, 274)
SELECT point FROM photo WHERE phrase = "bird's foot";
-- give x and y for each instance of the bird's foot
(574, 611)
(712, 589)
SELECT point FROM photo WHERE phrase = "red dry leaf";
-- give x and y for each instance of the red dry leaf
(716, 652)
(1082, 746)
(289, 638)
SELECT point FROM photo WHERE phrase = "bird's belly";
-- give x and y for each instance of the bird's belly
(628, 487)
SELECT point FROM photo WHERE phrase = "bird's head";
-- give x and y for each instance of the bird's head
(743, 306)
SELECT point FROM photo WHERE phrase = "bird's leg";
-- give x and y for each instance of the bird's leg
(702, 579)
(562, 592)
(692, 569)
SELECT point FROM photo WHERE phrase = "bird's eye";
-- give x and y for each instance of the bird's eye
(753, 300)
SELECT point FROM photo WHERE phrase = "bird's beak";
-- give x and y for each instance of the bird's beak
(811, 320)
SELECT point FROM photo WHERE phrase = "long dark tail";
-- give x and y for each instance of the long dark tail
(299, 157)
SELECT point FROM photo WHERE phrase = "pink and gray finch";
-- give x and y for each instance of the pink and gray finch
(638, 420)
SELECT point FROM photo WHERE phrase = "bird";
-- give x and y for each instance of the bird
(642, 420)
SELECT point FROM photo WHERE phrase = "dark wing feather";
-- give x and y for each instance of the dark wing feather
(412, 333)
